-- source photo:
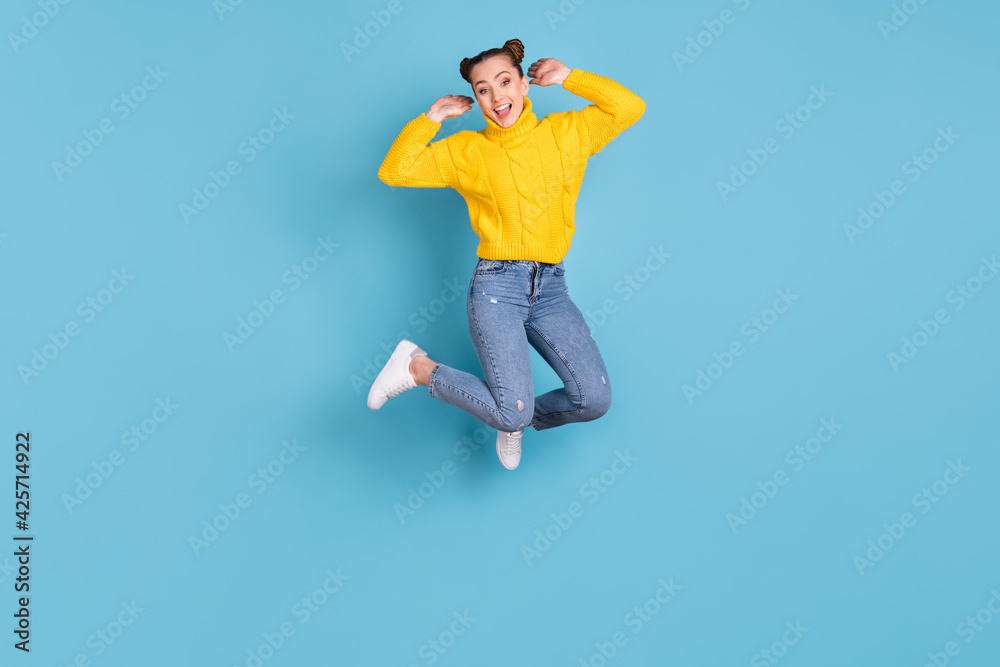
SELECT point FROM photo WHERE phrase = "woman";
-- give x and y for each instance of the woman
(520, 178)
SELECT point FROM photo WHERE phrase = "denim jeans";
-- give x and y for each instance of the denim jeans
(513, 304)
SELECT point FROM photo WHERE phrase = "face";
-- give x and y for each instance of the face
(496, 84)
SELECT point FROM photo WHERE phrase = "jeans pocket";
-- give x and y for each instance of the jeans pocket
(489, 267)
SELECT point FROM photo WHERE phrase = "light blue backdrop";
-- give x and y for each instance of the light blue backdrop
(800, 463)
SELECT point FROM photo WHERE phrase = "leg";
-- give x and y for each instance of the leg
(420, 369)
(496, 309)
(558, 331)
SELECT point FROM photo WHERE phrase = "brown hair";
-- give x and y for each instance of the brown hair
(512, 49)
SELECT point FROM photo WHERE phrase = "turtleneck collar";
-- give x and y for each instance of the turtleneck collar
(524, 124)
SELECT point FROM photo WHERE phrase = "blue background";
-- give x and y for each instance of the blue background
(301, 376)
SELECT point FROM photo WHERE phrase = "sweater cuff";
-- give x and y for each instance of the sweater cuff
(422, 127)
(572, 79)
(426, 120)
(588, 82)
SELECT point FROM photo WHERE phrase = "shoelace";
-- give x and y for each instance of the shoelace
(395, 390)
(512, 443)
(398, 388)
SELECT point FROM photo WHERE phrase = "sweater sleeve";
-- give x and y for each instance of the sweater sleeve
(411, 162)
(615, 108)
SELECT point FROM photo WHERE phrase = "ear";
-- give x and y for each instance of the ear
(525, 85)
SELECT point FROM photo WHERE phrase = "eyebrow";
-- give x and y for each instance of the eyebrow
(498, 74)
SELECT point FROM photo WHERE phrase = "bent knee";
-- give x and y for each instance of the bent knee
(597, 405)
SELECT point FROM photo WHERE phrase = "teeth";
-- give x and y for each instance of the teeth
(499, 109)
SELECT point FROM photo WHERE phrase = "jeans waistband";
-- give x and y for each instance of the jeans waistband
(520, 261)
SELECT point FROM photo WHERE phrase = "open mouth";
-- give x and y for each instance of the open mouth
(504, 111)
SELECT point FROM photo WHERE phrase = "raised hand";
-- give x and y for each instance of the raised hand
(548, 71)
(449, 106)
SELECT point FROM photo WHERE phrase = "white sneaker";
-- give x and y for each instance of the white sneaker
(509, 448)
(395, 377)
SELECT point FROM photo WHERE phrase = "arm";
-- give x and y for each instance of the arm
(615, 108)
(411, 162)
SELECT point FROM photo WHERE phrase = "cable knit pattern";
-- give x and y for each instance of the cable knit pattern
(521, 182)
(531, 200)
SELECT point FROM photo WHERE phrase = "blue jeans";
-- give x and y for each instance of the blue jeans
(511, 304)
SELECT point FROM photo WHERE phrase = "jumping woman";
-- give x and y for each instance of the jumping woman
(520, 178)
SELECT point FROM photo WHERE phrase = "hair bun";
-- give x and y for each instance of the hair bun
(516, 48)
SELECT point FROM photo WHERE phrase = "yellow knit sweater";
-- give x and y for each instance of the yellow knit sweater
(520, 182)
